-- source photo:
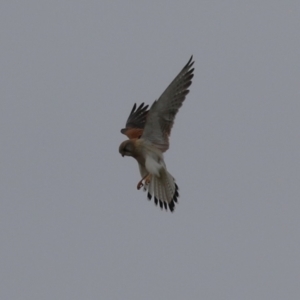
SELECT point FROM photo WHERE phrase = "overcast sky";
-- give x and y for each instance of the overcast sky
(72, 223)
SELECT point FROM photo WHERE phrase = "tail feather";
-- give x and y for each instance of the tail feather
(164, 189)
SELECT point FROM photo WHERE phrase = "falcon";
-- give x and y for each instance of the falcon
(148, 131)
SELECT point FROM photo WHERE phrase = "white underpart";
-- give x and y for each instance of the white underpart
(153, 166)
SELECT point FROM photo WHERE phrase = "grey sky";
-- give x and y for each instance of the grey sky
(73, 225)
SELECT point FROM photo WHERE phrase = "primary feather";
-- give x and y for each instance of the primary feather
(161, 116)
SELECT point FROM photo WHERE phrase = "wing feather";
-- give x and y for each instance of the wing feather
(136, 121)
(161, 116)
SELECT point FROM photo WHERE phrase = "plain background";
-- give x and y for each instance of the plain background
(73, 225)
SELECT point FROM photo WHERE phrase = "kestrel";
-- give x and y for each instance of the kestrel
(148, 132)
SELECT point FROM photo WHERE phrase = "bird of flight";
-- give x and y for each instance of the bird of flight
(148, 131)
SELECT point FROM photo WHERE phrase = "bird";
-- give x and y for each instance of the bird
(148, 131)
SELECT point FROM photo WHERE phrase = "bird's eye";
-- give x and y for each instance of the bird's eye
(127, 148)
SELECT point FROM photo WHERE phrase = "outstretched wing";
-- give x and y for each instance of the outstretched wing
(136, 121)
(162, 113)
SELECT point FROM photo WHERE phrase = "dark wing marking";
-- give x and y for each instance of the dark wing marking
(136, 121)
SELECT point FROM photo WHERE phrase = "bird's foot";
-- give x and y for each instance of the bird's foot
(146, 178)
(140, 184)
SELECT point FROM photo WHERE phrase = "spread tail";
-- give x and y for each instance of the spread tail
(163, 189)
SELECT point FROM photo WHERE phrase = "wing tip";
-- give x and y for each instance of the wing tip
(190, 62)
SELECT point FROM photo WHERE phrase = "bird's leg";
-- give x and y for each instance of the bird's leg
(147, 179)
(140, 183)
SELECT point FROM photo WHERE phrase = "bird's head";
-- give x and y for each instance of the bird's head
(127, 148)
